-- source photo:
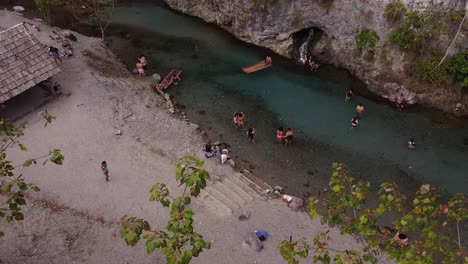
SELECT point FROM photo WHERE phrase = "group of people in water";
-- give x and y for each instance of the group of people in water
(399, 102)
(280, 134)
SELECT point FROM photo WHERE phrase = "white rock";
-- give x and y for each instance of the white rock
(118, 132)
(156, 77)
(18, 8)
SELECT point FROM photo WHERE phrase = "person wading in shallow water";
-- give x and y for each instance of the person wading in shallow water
(349, 95)
(251, 134)
(105, 170)
(400, 102)
(279, 135)
(355, 122)
(142, 61)
(412, 144)
(360, 110)
(289, 136)
(240, 119)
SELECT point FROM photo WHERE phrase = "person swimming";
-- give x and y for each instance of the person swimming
(412, 144)
(250, 135)
(349, 95)
(279, 134)
(355, 121)
(289, 136)
(360, 109)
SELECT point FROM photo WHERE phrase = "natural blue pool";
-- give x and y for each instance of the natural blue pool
(288, 95)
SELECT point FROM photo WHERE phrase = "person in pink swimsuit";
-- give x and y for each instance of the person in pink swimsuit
(279, 135)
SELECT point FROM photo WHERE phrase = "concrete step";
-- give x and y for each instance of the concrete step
(222, 197)
(245, 187)
(256, 184)
(214, 205)
(238, 189)
(231, 194)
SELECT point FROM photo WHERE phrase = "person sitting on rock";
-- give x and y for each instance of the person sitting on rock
(210, 150)
(140, 69)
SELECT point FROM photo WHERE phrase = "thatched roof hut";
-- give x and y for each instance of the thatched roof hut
(24, 62)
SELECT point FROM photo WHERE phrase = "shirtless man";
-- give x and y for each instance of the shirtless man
(268, 60)
(400, 101)
(289, 136)
(360, 109)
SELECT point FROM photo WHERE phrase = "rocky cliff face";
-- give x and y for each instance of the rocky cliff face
(281, 24)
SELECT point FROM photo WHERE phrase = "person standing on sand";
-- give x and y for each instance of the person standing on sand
(105, 170)
(141, 71)
(360, 109)
(250, 135)
(55, 53)
(289, 136)
(142, 61)
(279, 135)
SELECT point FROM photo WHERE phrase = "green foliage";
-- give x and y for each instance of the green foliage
(179, 242)
(458, 66)
(394, 11)
(410, 35)
(455, 16)
(428, 70)
(45, 7)
(366, 42)
(345, 206)
(12, 186)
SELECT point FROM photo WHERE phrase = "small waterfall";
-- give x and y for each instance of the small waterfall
(304, 48)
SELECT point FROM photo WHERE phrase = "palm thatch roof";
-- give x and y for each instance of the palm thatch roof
(24, 62)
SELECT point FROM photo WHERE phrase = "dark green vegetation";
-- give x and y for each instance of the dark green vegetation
(458, 66)
(179, 242)
(432, 222)
(366, 42)
(394, 11)
(13, 186)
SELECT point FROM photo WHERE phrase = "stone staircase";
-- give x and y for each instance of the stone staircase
(231, 193)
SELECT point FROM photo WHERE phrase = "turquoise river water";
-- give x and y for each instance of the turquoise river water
(288, 95)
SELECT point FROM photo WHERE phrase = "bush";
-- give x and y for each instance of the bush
(366, 41)
(429, 71)
(458, 66)
(395, 10)
(410, 35)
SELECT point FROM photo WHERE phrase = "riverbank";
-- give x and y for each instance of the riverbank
(287, 95)
(75, 216)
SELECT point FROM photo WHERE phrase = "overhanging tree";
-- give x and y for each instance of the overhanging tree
(13, 186)
(434, 225)
(179, 242)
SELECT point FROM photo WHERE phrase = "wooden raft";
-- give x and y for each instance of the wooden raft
(256, 67)
(169, 79)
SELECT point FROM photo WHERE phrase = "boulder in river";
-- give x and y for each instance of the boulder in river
(18, 9)
(156, 77)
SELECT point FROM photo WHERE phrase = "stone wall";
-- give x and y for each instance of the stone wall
(273, 24)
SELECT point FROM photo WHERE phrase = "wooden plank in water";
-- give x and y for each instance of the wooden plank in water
(256, 67)
(169, 79)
